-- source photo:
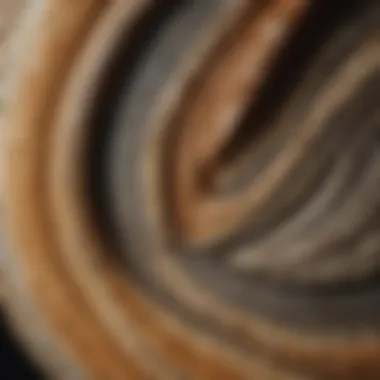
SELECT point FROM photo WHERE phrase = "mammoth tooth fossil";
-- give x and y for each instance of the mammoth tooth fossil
(191, 189)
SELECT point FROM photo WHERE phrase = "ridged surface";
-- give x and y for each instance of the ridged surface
(191, 190)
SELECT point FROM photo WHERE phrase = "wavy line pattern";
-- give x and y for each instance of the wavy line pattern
(191, 189)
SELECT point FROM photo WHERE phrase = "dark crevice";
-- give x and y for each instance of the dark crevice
(15, 364)
(296, 57)
(121, 72)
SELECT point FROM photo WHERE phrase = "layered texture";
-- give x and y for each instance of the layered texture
(191, 189)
